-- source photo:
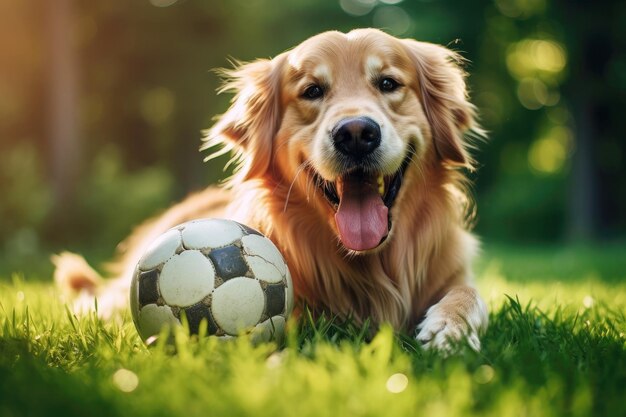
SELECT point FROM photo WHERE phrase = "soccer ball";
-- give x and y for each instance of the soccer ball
(213, 270)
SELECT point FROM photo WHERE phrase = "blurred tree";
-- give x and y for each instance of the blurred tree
(596, 88)
(62, 106)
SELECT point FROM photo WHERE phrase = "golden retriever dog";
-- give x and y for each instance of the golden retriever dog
(351, 150)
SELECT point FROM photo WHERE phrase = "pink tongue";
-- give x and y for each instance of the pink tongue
(362, 216)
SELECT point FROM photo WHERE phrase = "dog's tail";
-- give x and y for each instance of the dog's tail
(86, 289)
(74, 276)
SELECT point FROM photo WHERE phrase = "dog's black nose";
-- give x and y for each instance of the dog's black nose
(356, 136)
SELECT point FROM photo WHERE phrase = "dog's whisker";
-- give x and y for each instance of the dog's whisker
(295, 178)
(311, 181)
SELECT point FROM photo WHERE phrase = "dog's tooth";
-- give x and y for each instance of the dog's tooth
(381, 185)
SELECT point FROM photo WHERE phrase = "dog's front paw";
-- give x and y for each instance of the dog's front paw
(445, 326)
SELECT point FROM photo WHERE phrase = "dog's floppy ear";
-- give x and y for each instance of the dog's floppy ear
(249, 125)
(443, 94)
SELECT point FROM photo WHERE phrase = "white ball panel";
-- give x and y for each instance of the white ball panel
(210, 233)
(263, 270)
(256, 245)
(238, 304)
(152, 318)
(186, 278)
(271, 329)
(163, 248)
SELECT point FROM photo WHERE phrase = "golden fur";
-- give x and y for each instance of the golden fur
(421, 272)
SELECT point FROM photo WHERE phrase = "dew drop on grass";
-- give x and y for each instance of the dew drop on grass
(588, 301)
(484, 374)
(274, 361)
(125, 380)
(397, 383)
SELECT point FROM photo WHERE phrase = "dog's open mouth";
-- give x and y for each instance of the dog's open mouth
(361, 200)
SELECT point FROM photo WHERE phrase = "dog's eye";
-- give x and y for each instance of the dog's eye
(313, 92)
(388, 85)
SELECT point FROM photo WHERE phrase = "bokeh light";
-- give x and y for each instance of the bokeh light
(157, 105)
(484, 374)
(125, 380)
(393, 19)
(163, 3)
(532, 93)
(397, 383)
(520, 9)
(357, 7)
(532, 57)
(548, 154)
(538, 66)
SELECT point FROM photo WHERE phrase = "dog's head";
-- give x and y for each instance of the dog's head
(343, 117)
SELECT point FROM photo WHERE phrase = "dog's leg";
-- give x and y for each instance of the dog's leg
(460, 314)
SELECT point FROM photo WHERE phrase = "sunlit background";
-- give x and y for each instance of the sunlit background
(102, 104)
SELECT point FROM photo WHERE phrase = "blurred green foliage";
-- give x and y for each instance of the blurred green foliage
(26, 198)
(548, 78)
(148, 188)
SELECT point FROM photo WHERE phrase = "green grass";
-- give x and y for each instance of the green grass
(555, 347)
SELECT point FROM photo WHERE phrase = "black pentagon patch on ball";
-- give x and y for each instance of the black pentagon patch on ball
(229, 262)
(249, 230)
(274, 299)
(148, 291)
(195, 314)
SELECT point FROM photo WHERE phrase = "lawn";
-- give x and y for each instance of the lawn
(555, 347)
